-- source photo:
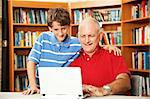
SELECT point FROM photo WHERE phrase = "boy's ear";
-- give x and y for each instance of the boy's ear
(50, 29)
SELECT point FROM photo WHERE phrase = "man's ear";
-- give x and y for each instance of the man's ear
(101, 34)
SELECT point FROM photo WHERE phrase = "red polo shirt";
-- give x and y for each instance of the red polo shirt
(101, 69)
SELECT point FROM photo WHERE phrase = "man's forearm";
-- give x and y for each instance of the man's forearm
(31, 66)
(120, 85)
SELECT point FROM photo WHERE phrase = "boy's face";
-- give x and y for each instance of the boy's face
(59, 31)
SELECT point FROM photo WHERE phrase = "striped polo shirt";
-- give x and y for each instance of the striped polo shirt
(48, 52)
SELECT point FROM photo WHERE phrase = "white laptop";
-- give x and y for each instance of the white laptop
(60, 82)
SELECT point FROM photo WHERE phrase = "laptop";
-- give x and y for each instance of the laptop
(60, 82)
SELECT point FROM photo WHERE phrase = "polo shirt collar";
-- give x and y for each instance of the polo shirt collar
(65, 43)
(86, 55)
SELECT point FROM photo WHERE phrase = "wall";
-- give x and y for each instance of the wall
(0, 41)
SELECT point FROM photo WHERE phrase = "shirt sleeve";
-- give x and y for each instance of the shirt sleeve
(120, 65)
(35, 52)
(71, 60)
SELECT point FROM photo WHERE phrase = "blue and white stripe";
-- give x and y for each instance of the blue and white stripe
(48, 52)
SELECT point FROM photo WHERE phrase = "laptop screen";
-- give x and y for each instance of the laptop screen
(60, 81)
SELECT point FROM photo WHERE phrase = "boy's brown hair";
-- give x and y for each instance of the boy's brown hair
(59, 15)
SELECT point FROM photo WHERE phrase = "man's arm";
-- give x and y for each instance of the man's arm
(31, 68)
(118, 86)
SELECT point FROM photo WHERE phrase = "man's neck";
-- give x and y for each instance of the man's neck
(91, 54)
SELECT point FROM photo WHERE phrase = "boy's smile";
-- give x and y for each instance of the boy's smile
(59, 31)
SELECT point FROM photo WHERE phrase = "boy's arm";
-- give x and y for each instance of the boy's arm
(111, 48)
(31, 68)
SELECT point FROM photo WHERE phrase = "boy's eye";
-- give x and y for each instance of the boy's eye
(63, 28)
(56, 29)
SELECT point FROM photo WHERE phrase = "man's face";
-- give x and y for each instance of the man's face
(59, 31)
(89, 38)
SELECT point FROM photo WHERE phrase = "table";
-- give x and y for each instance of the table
(19, 95)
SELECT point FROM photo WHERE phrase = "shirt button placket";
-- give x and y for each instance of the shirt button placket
(88, 59)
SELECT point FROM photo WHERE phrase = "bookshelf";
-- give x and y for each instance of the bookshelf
(128, 25)
(136, 41)
(108, 14)
(124, 24)
(19, 26)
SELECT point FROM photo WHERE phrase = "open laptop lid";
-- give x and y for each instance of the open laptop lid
(60, 81)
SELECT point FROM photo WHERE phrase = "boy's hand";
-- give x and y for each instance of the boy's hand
(31, 91)
(111, 48)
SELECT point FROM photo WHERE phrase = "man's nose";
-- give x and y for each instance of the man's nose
(87, 39)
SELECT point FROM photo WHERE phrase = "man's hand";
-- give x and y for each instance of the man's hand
(111, 48)
(92, 90)
(31, 91)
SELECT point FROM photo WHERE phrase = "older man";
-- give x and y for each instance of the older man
(103, 73)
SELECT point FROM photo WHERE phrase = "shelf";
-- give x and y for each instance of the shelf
(20, 70)
(136, 45)
(22, 47)
(132, 45)
(111, 31)
(145, 19)
(103, 23)
(38, 4)
(128, 1)
(74, 24)
(98, 3)
(137, 70)
(111, 23)
(21, 24)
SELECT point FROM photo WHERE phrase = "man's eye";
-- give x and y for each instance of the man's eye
(82, 35)
(92, 35)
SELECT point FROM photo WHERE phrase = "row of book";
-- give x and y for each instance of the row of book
(141, 35)
(21, 83)
(140, 85)
(30, 16)
(140, 9)
(23, 38)
(141, 60)
(112, 38)
(105, 15)
(20, 61)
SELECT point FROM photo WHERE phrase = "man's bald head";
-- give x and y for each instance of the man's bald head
(89, 22)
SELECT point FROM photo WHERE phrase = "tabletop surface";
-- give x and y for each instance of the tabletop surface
(19, 95)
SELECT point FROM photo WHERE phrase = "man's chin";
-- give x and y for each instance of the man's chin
(86, 50)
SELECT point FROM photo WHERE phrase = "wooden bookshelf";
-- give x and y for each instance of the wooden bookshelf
(125, 26)
(96, 6)
(128, 24)
(15, 27)
(136, 44)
